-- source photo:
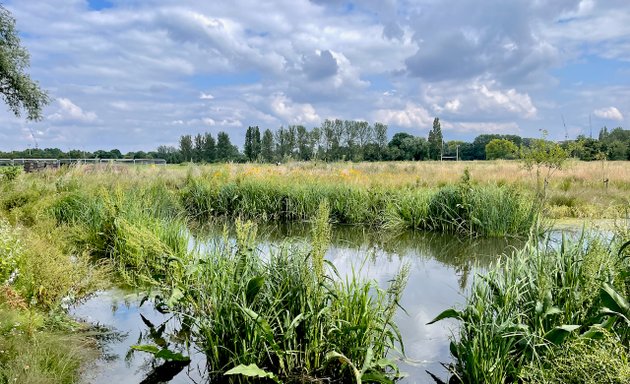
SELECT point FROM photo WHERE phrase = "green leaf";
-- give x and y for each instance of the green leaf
(367, 362)
(608, 312)
(558, 334)
(448, 314)
(613, 300)
(176, 296)
(152, 349)
(552, 311)
(253, 287)
(252, 370)
(376, 377)
(171, 356)
(453, 349)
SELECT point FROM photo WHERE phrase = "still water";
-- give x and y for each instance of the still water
(442, 268)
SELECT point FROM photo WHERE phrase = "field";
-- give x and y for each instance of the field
(286, 312)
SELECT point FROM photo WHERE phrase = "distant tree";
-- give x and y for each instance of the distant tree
(198, 147)
(248, 149)
(315, 140)
(501, 149)
(169, 153)
(618, 150)
(290, 140)
(266, 146)
(225, 150)
(380, 139)
(303, 140)
(477, 151)
(256, 143)
(209, 148)
(544, 157)
(281, 147)
(435, 140)
(186, 147)
(18, 90)
(363, 138)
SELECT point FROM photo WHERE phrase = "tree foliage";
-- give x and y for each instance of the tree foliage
(501, 149)
(18, 90)
(435, 140)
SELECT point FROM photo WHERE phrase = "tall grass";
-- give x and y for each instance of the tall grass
(288, 312)
(524, 309)
(488, 210)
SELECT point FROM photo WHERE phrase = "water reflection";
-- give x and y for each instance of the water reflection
(123, 321)
(442, 267)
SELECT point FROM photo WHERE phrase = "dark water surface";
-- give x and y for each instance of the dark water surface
(442, 268)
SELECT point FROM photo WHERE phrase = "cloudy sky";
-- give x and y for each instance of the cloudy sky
(135, 74)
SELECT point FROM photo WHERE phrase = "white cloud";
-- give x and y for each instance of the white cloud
(295, 113)
(206, 96)
(610, 113)
(411, 116)
(69, 111)
(509, 100)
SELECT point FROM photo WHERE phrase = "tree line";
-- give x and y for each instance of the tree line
(348, 140)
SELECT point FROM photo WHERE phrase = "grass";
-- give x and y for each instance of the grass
(287, 311)
(544, 304)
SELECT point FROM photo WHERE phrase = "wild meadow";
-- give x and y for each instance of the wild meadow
(285, 313)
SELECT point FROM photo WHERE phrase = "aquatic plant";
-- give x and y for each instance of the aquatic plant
(520, 312)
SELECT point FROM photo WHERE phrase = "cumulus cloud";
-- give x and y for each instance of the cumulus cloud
(69, 111)
(294, 113)
(411, 116)
(510, 100)
(320, 65)
(610, 113)
(145, 71)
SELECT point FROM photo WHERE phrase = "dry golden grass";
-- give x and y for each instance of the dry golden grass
(577, 190)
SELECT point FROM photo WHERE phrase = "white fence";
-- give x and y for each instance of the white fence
(57, 162)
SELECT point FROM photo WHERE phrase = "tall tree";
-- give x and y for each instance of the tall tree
(380, 139)
(256, 144)
(303, 143)
(198, 147)
(225, 150)
(17, 88)
(186, 147)
(435, 140)
(266, 146)
(249, 148)
(209, 148)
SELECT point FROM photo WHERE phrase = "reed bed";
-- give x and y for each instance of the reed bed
(543, 308)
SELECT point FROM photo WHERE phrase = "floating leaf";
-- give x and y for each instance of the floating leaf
(152, 349)
(252, 370)
(171, 356)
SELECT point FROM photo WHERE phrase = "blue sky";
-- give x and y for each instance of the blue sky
(136, 74)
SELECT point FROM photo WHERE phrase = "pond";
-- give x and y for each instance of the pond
(442, 268)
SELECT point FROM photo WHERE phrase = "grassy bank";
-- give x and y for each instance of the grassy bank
(38, 342)
(286, 312)
(549, 316)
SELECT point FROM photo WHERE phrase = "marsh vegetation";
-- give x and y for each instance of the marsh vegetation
(286, 312)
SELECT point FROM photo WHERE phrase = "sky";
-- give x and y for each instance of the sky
(136, 74)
